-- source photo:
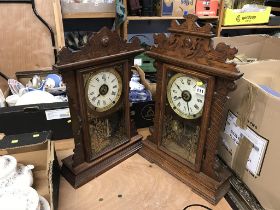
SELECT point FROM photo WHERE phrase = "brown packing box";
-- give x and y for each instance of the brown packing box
(262, 47)
(250, 143)
(46, 171)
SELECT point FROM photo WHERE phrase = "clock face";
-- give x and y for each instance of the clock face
(103, 89)
(186, 95)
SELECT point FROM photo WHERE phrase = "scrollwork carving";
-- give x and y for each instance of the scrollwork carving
(103, 43)
(193, 43)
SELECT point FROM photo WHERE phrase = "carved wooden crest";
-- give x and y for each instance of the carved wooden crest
(101, 44)
(192, 44)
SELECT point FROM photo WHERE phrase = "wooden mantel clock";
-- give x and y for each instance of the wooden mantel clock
(97, 79)
(193, 81)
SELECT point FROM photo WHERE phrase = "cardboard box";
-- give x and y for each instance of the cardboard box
(40, 153)
(206, 7)
(233, 17)
(25, 49)
(183, 7)
(262, 47)
(103, 7)
(250, 144)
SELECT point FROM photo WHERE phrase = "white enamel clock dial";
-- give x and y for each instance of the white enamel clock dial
(186, 95)
(103, 89)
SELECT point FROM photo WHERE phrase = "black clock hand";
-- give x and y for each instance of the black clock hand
(188, 108)
(178, 87)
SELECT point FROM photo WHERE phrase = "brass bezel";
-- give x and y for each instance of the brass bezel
(119, 93)
(171, 103)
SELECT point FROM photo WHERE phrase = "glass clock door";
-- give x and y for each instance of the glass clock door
(184, 115)
(105, 110)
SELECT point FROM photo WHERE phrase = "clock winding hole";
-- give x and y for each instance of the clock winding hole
(186, 95)
(103, 90)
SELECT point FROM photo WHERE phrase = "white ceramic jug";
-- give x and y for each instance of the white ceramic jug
(19, 198)
(8, 165)
(13, 174)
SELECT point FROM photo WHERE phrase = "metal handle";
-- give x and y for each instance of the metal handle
(31, 109)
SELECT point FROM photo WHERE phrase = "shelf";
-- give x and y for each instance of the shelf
(89, 15)
(112, 15)
(275, 9)
(165, 17)
(249, 27)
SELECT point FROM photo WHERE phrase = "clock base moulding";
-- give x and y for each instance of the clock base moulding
(203, 185)
(81, 174)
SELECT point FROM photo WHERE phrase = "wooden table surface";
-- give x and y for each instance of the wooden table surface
(135, 184)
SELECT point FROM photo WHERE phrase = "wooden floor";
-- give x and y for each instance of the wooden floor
(135, 184)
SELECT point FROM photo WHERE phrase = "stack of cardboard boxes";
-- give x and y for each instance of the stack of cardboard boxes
(180, 8)
(250, 144)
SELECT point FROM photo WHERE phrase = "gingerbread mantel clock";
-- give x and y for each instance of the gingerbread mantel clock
(193, 81)
(97, 79)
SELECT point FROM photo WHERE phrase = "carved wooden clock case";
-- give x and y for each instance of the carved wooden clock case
(97, 79)
(193, 81)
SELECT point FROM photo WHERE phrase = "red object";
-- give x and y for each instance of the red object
(206, 7)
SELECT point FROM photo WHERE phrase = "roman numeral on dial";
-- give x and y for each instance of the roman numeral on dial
(104, 77)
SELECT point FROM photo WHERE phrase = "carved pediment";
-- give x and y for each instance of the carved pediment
(100, 44)
(190, 26)
(191, 43)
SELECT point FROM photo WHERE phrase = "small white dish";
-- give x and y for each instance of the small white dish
(19, 198)
(8, 165)
(11, 100)
(36, 97)
(44, 204)
(22, 177)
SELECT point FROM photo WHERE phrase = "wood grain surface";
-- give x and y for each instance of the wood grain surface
(25, 41)
(135, 184)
